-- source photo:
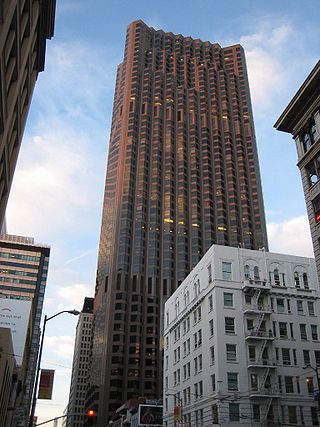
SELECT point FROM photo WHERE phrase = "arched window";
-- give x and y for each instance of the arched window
(256, 273)
(305, 281)
(276, 277)
(297, 279)
(246, 272)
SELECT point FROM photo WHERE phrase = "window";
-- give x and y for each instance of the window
(305, 281)
(286, 356)
(310, 384)
(303, 331)
(229, 325)
(231, 352)
(209, 273)
(196, 287)
(276, 277)
(234, 411)
(288, 381)
(306, 357)
(213, 382)
(197, 339)
(232, 381)
(283, 330)
(246, 270)
(316, 208)
(254, 382)
(252, 353)
(280, 305)
(317, 357)
(310, 308)
(211, 327)
(314, 332)
(256, 273)
(256, 412)
(226, 270)
(314, 416)
(212, 355)
(297, 279)
(228, 299)
(300, 306)
(197, 315)
(215, 416)
(210, 300)
(292, 414)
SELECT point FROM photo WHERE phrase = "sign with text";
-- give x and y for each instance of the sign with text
(14, 315)
(150, 415)
(46, 384)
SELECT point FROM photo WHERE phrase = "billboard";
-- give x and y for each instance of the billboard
(46, 384)
(150, 415)
(14, 315)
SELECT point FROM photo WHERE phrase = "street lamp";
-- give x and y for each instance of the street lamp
(34, 398)
(318, 382)
(180, 402)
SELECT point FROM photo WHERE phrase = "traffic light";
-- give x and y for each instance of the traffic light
(91, 417)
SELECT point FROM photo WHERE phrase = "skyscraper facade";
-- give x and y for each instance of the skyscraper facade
(25, 25)
(182, 174)
(23, 276)
(80, 364)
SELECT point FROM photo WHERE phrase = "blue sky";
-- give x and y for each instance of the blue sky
(58, 186)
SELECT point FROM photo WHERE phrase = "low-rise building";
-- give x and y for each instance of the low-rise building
(241, 341)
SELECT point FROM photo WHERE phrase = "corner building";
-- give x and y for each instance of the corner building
(241, 341)
(301, 118)
(182, 174)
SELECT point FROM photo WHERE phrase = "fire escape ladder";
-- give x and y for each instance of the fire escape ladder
(256, 296)
(260, 320)
(265, 376)
(267, 409)
(263, 346)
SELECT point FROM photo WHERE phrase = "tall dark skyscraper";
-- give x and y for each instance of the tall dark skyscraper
(182, 174)
(25, 26)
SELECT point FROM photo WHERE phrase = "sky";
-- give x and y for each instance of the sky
(59, 180)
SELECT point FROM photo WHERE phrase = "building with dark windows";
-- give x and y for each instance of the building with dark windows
(182, 174)
(80, 365)
(23, 276)
(301, 118)
(24, 27)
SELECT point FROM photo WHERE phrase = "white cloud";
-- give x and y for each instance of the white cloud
(72, 296)
(62, 345)
(291, 236)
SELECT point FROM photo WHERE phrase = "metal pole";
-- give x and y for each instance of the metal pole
(34, 399)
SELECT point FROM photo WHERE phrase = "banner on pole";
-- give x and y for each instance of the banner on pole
(46, 384)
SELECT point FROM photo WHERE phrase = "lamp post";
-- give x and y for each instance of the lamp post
(181, 407)
(38, 367)
(316, 370)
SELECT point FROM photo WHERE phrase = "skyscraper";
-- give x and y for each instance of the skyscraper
(82, 346)
(23, 276)
(25, 25)
(182, 174)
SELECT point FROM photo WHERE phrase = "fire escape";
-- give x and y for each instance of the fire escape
(261, 358)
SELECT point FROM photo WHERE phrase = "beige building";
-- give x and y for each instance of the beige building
(301, 118)
(24, 27)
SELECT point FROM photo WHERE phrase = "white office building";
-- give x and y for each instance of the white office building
(241, 341)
